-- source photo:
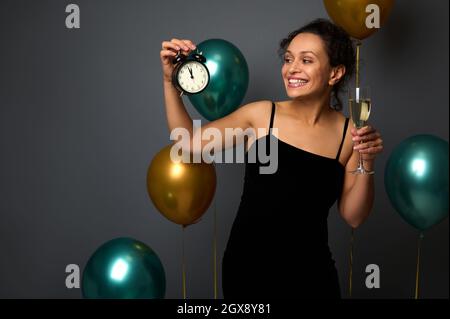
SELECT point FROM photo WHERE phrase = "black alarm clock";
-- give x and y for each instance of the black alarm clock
(190, 75)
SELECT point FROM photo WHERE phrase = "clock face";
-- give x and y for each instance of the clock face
(193, 77)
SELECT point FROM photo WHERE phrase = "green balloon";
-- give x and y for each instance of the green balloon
(228, 84)
(416, 180)
(124, 268)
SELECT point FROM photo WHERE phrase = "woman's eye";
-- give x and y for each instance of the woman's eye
(287, 60)
(306, 61)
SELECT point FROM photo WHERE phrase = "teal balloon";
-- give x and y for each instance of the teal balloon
(416, 180)
(124, 268)
(228, 84)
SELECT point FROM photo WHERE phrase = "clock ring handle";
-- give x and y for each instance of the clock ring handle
(198, 56)
(179, 57)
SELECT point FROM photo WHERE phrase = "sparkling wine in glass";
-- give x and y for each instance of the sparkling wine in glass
(360, 107)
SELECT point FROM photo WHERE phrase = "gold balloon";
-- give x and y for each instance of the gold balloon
(182, 192)
(351, 15)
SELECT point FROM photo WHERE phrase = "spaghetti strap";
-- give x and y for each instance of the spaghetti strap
(271, 117)
(343, 137)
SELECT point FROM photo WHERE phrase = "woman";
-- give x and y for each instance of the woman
(278, 246)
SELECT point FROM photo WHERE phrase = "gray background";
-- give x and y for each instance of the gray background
(82, 115)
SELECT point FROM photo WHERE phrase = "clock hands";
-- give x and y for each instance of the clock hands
(190, 71)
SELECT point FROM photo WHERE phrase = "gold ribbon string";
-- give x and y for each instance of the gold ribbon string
(419, 242)
(215, 249)
(350, 275)
(183, 264)
(358, 46)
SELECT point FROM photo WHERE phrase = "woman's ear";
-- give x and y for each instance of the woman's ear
(336, 74)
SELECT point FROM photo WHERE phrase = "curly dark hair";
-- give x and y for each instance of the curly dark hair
(339, 47)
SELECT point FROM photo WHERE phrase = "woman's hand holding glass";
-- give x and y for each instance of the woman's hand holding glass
(367, 141)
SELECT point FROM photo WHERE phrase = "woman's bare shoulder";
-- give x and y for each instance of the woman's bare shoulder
(338, 120)
(257, 105)
(258, 112)
(339, 116)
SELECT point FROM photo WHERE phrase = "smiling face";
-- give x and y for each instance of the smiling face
(306, 70)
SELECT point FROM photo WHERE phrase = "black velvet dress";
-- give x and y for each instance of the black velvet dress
(278, 245)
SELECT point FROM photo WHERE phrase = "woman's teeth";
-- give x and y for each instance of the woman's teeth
(297, 82)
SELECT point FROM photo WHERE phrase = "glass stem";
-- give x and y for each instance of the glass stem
(360, 158)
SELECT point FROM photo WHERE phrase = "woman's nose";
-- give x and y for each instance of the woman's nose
(294, 68)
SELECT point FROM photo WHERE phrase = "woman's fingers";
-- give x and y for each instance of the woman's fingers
(167, 54)
(372, 150)
(369, 144)
(177, 45)
(190, 44)
(170, 45)
(365, 130)
(171, 48)
(366, 137)
(181, 44)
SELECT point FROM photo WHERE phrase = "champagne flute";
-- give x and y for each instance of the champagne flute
(360, 107)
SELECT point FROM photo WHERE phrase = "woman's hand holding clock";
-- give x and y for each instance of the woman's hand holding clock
(169, 51)
(187, 72)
